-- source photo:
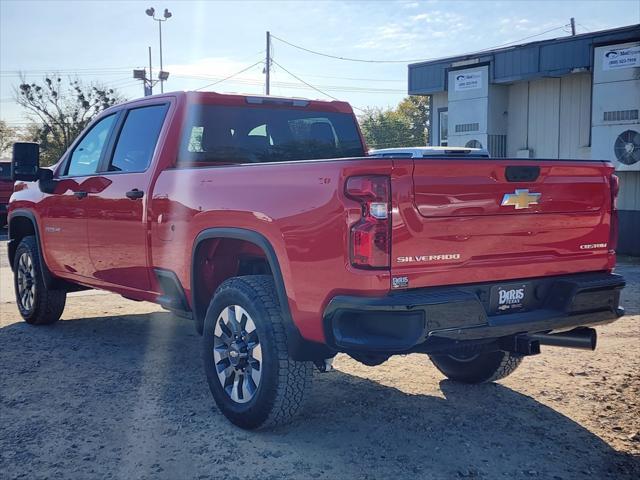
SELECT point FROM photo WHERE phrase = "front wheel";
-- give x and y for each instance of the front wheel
(476, 367)
(250, 375)
(37, 304)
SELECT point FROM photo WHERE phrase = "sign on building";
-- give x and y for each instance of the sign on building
(468, 81)
(616, 58)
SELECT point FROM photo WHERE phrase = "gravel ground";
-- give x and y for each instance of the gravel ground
(116, 390)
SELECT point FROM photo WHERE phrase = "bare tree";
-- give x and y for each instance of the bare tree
(8, 135)
(61, 110)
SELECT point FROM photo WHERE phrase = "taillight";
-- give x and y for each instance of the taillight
(371, 237)
(613, 233)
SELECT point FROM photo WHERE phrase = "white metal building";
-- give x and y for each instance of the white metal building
(570, 97)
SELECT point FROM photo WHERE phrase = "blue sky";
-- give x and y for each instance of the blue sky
(204, 41)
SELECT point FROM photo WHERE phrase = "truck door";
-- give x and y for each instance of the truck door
(64, 217)
(117, 218)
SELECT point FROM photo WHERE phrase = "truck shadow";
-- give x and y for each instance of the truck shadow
(125, 397)
(631, 292)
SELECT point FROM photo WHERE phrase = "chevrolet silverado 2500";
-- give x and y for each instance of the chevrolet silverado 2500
(262, 219)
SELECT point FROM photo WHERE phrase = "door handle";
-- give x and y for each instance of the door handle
(80, 195)
(135, 194)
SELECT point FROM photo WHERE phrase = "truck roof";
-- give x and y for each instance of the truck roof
(239, 99)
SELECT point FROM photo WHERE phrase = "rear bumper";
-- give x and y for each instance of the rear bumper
(405, 321)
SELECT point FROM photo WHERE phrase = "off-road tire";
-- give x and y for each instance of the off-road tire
(47, 304)
(477, 368)
(283, 383)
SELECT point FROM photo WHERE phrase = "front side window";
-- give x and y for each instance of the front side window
(137, 139)
(223, 134)
(86, 156)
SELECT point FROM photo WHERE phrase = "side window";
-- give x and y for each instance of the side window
(86, 156)
(137, 139)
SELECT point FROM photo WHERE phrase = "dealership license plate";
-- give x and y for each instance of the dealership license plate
(509, 298)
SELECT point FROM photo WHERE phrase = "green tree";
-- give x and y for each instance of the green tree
(59, 111)
(415, 109)
(403, 126)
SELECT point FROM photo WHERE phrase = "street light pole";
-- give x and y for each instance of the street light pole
(160, 31)
(162, 76)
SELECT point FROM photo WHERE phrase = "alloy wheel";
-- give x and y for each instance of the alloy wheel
(237, 353)
(26, 281)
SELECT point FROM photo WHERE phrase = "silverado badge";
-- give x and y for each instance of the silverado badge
(520, 199)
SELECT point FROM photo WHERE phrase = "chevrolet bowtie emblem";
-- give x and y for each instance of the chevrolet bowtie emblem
(520, 199)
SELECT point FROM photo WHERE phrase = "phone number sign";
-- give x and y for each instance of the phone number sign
(617, 58)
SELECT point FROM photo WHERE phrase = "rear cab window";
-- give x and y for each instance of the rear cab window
(214, 134)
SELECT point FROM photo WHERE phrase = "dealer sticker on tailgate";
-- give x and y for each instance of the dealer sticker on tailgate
(507, 298)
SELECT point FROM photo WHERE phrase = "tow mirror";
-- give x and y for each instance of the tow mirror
(25, 163)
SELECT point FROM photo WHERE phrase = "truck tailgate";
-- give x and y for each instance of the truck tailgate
(479, 220)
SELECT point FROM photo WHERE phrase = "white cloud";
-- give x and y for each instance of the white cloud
(420, 16)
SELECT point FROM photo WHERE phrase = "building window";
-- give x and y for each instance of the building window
(443, 125)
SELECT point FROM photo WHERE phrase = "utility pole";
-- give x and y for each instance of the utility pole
(573, 27)
(147, 82)
(268, 65)
(149, 90)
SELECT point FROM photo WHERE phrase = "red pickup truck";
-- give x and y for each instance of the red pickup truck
(262, 219)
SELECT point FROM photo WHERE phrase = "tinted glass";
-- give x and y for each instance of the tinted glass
(86, 156)
(138, 138)
(254, 135)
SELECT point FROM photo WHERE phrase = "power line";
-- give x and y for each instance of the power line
(398, 80)
(521, 39)
(306, 83)
(336, 57)
(230, 76)
(336, 88)
(55, 69)
(111, 72)
(313, 87)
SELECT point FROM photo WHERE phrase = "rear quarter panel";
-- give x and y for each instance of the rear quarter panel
(299, 207)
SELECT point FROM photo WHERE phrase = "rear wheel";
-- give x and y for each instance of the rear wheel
(37, 304)
(250, 375)
(476, 367)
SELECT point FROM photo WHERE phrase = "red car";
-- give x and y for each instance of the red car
(6, 189)
(262, 219)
